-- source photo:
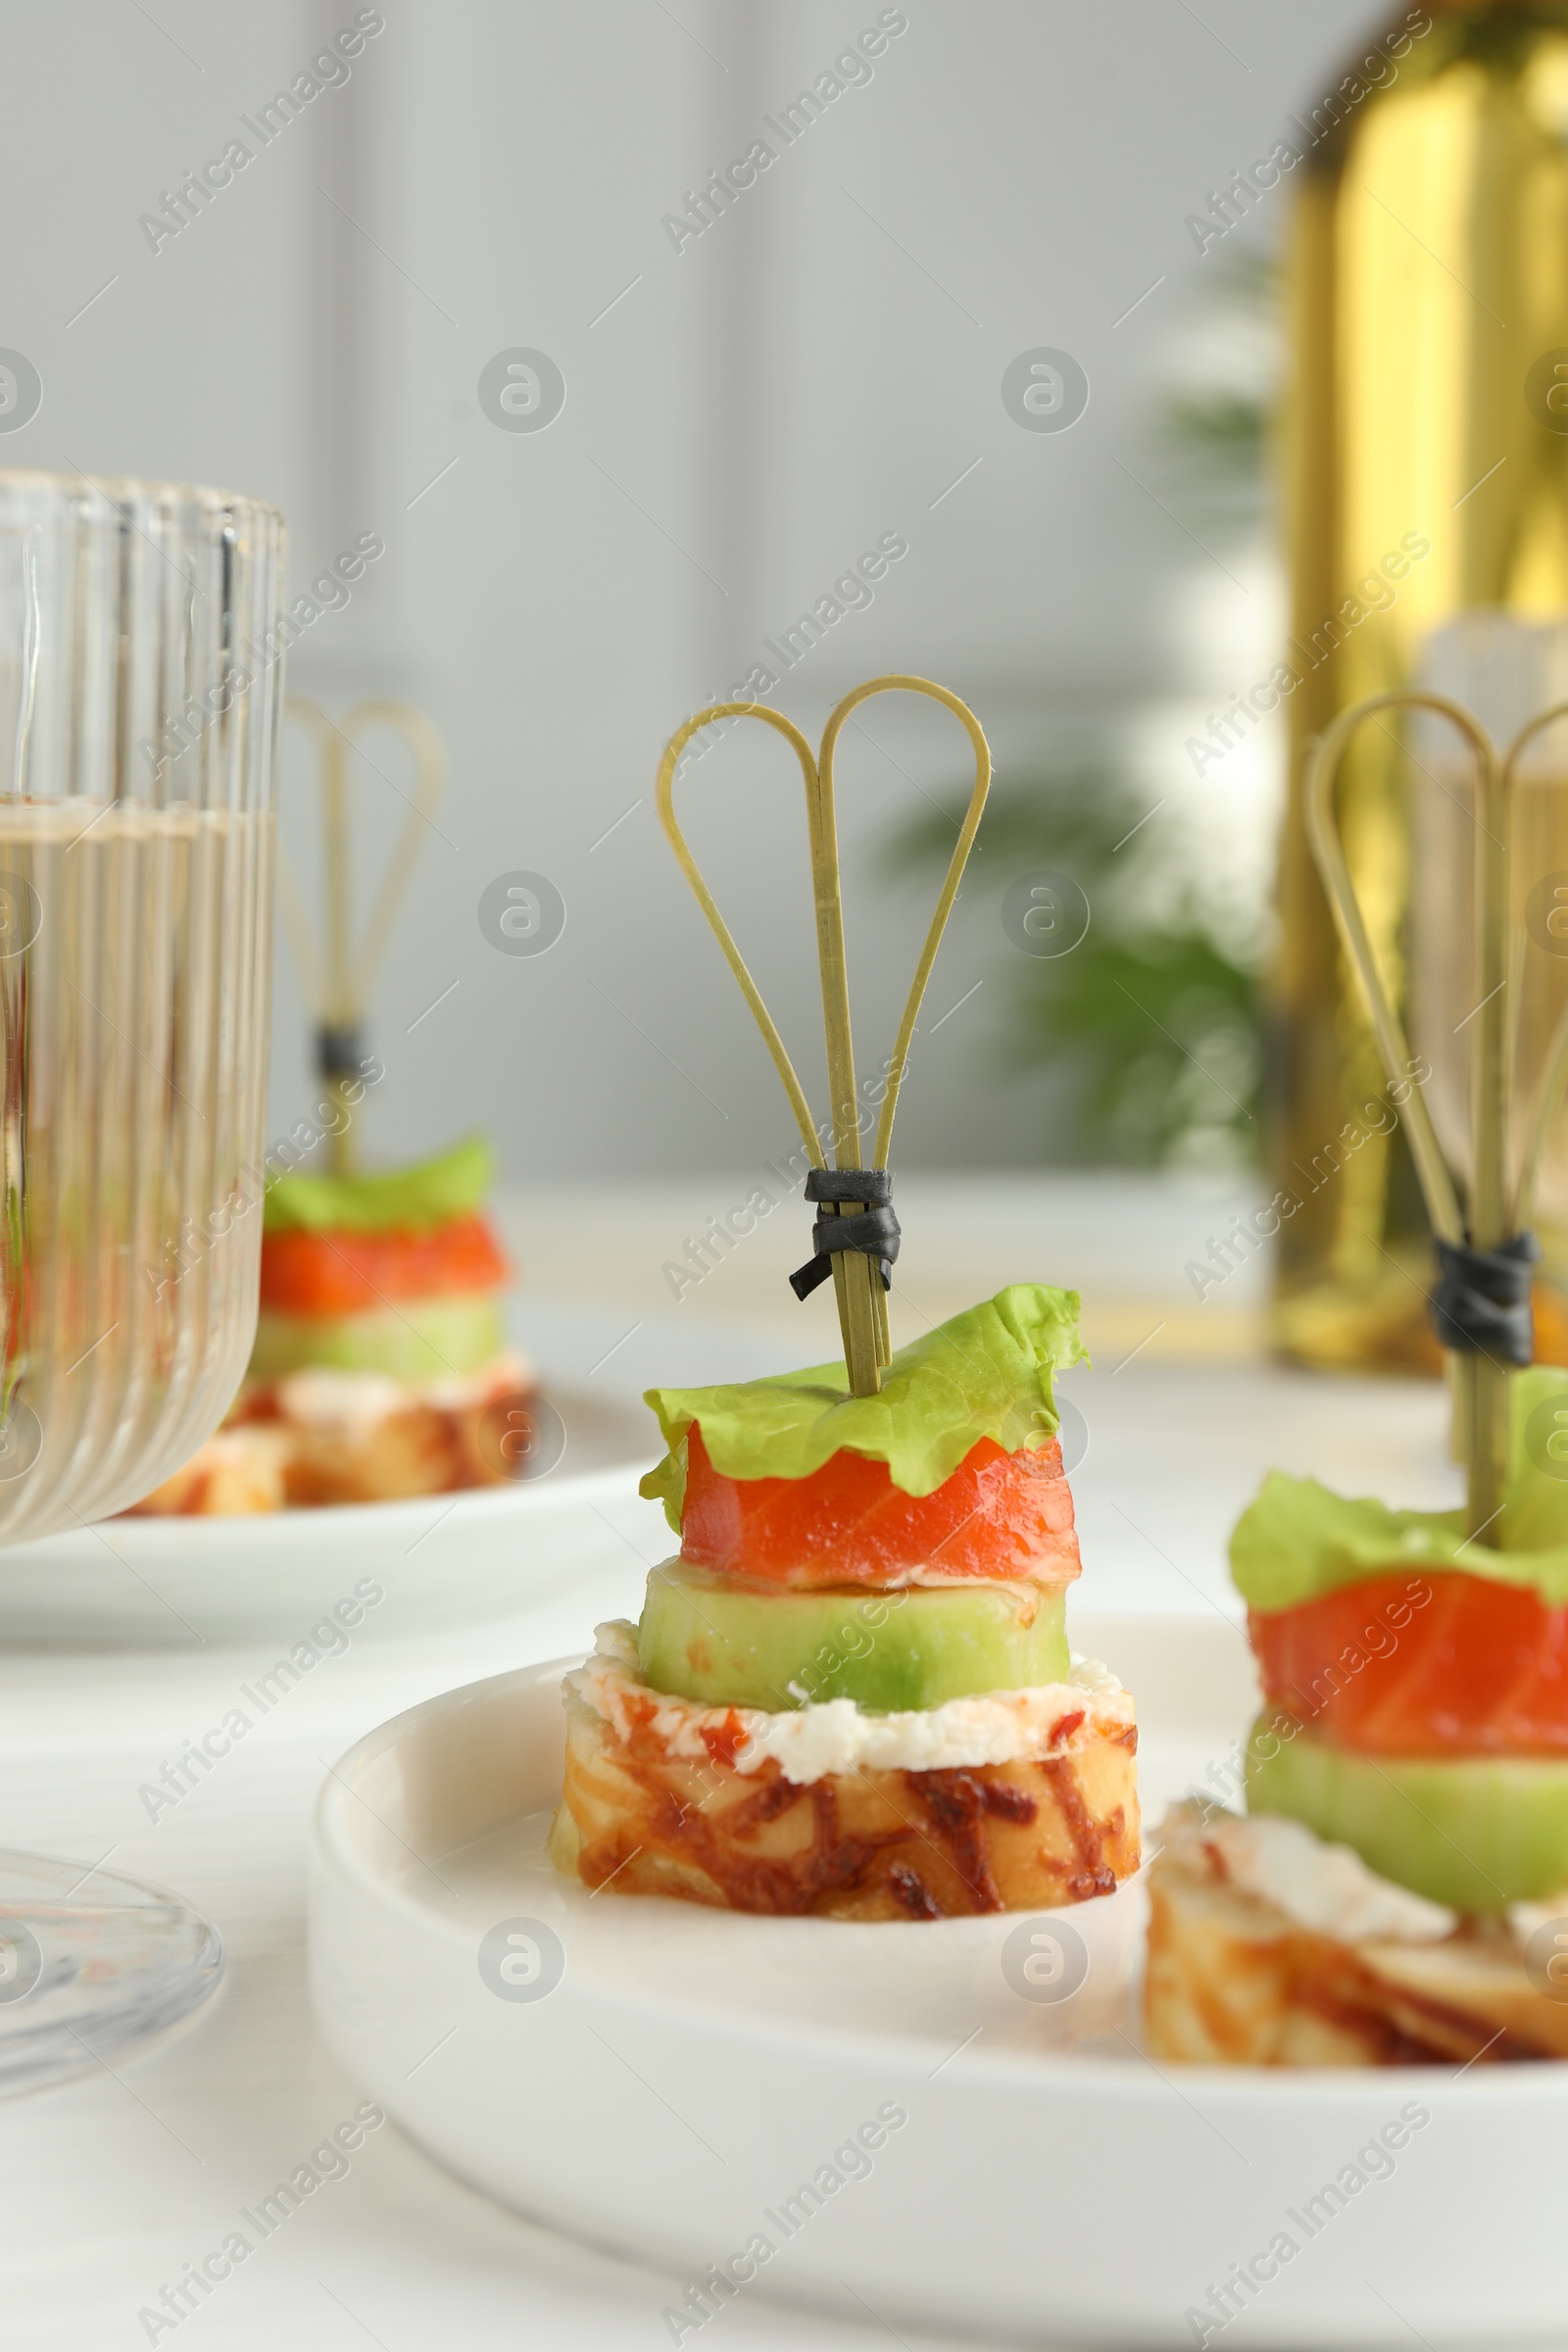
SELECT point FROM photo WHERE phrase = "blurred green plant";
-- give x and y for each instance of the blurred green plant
(1216, 428)
(1153, 1019)
(1225, 431)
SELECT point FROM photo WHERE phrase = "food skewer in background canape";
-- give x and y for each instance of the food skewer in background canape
(850, 1693)
(1399, 1888)
(380, 1368)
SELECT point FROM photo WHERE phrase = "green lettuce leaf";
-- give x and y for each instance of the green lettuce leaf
(453, 1185)
(985, 1374)
(1299, 1540)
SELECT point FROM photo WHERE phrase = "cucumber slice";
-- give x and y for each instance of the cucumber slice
(1473, 1831)
(728, 1644)
(420, 1339)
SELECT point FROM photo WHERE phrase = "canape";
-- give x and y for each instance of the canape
(1399, 1888)
(850, 1693)
(380, 1368)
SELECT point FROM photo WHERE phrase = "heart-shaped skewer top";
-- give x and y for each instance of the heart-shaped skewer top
(337, 984)
(857, 1256)
(1484, 1250)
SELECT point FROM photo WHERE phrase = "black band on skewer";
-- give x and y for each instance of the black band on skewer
(1481, 1305)
(339, 1052)
(871, 1231)
(873, 1186)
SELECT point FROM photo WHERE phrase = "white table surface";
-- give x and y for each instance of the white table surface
(114, 2183)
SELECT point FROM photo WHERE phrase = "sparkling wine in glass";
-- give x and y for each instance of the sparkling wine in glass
(140, 691)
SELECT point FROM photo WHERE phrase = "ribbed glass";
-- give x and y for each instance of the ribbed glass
(139, 711)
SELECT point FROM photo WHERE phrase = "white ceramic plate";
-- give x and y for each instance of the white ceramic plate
(689, 2072)
(168, 1582)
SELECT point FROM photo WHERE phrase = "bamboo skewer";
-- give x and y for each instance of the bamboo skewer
(939, 921)
(338, 983)
(857, 1281)
(1497, 1213)
(344, 1002)
(1491, 1383)
(1436, 1186)
(1555, 1070)
(858, 1287)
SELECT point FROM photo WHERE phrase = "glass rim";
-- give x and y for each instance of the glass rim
(118, 491)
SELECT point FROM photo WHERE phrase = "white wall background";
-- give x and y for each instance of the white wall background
(816, 371)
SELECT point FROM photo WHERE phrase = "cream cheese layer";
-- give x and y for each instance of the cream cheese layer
(810, 1743)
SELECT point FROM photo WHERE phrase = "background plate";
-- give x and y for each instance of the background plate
(165, 1582)
(664, 2080)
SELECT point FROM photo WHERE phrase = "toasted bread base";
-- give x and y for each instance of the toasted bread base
(1232, 1981)
(237, 1475)
(864, 1844)
(258, 1464)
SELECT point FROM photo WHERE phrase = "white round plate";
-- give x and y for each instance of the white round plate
(909, 2136)
(168, 1582)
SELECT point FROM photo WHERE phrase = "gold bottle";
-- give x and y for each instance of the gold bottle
(1426, 443)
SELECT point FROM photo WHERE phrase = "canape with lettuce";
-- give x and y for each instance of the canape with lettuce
(1402, 1869)
(381, 1367)
(851, 1691)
